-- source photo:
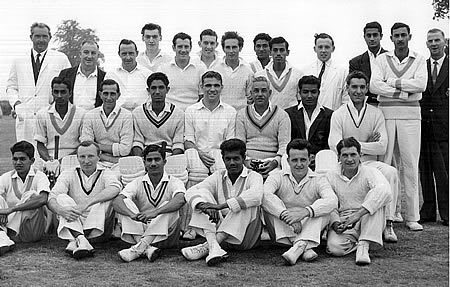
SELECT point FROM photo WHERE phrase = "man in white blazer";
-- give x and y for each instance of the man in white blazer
(28, 86)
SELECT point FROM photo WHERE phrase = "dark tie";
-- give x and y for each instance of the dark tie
(434, 73)
(321, 71)
(38, 62)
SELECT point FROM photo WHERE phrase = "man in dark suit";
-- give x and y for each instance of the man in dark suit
(434, 148)
(309, 120)
(373, 34)
(85, 78)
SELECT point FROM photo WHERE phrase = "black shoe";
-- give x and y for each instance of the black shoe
(423, 220)
(445, 222)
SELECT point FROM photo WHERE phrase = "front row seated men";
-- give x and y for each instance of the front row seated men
(226, 207)
(81, 198)
(23, 194)
(148, 208)
(363, 193)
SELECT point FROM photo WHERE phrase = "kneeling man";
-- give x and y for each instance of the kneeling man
(149, 207)
(363, 193)
(226, 207)
(82, 200)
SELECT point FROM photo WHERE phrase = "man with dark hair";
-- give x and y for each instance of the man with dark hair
(158, 121)
(130, 76)
(81, 198)
(208, 55)
(150, 222)
(183, 73)
(434, 147)
(152, 58)
(235, 72)
(331, 74)
(85, 78)
(398, 78)
(110, 126)
(363, 193)
(23, 195)
(261, 46)
(297, 203)
(226, 207)
(283, 77)
(28, 87)
(309, 119)
(373, 33)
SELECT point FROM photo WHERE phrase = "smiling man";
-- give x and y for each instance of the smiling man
(152, 58)
(363, 193)
(261, 46)
(208, 56)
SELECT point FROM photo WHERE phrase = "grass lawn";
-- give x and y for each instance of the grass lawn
(418, 259)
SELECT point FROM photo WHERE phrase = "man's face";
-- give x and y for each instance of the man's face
(373, 37)
(262, 49)
(21, 162)
(212, 88)
(151, 39)
(109, 96)
(182, 49)
(127, 53)
(154, 163)
(279, 53)
(400, 37)
(234, 162)
(88, 158)
(357, 90)
(308, 95)
(158, 91)
(298, 161)
(231, 49)
(349, 158)
(436, 44)
(89, 55)
(324, 48)
(61, 94)
(261, 93)
(40, 38)
(208, 44)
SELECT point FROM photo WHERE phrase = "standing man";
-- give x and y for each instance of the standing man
(399, 77)
(152, 57)
(85, 79)
(261, 46)
(208, 44)
(434, 147)
(184, 75)
(373, 33)
(282, 76)
(28, 86)
(331, 75)
(131, 76)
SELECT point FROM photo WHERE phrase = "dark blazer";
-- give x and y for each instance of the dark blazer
(434, 105)
(362, 63)
(319, 131)
(71, 73)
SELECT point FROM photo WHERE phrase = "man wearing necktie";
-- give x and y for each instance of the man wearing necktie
(28, 86)
(434, 148)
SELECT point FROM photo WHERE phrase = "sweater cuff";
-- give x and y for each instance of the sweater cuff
(196, 199)
(233, 204)
(115, 149)
(311, 211)
(138, 144)
(370, 207)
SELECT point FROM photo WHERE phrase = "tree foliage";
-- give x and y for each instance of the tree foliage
(440, 9)
(70, 35)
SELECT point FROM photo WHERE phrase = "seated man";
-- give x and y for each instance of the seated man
(149, 207)
(226, 207)
(297, 203)
(109, 126)
(363, 193)
(23, 194)
(82, 200)
(366, 124)
(265, 128)
(157, 120)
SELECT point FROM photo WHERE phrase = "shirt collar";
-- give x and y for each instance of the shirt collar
(172, 62)
(353, 108)
(376, 54)
(42, 53)
(269, 66)
(241, 62)
(318, 106)
(200, 105)
(165, 177)
(137, 68)
(31, 172)
(440, 61)
(341, 171)
(93, 74)
(269, 108)
(411, 54)
(244, 172)
(150, 108)
(327, 63)
(52, 109)
(114, 112)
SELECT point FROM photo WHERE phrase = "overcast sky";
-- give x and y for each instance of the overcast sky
(297, 21)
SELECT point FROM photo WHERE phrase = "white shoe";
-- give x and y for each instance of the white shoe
(398, 217)
(152, 253)
(5, 243)
(309, 255)
(265, 236)
(414, 226)
(362, 253)
(291, 256)
(84, 248)
(71, 246)
(216, 256)
(389, 234)
(133, 252)
(190, 234)
(195, 252)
